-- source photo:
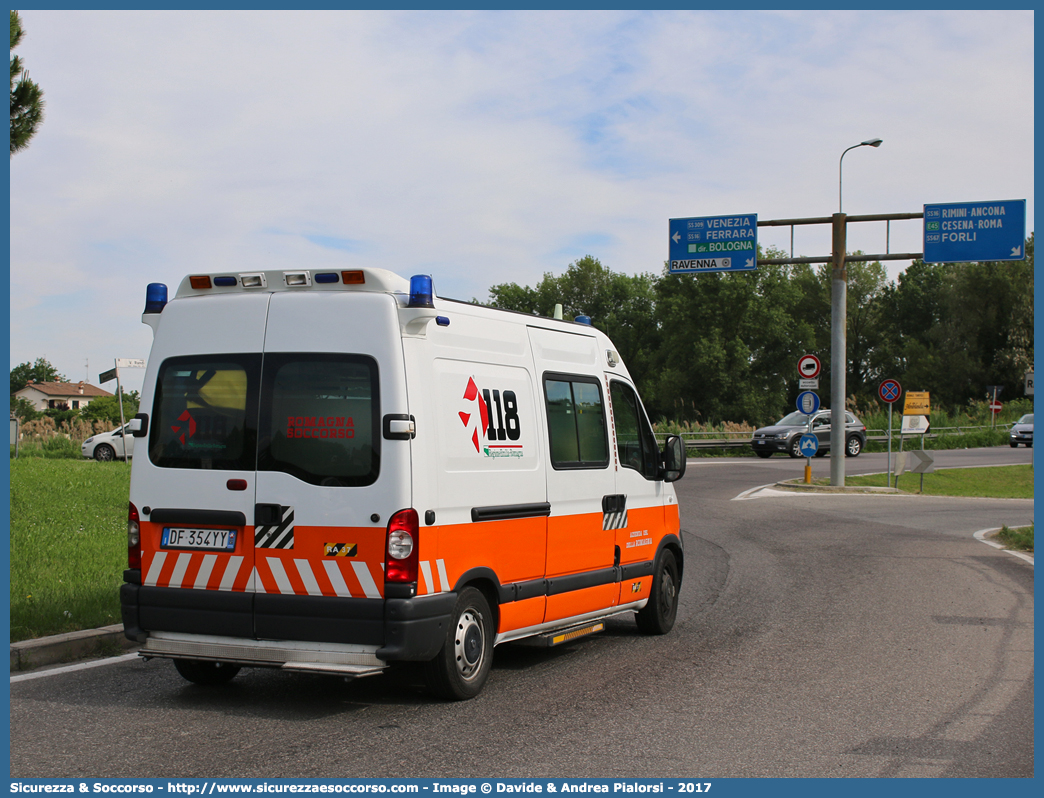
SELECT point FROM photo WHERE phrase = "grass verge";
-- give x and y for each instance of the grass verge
(1003, 482)
(68, 544)
(1019, 539)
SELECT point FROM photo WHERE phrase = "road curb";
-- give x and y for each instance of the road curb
(108, 640)
(985, 535)
(834, 488)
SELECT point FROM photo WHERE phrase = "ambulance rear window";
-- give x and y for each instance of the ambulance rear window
(205, 412)
(320, 418)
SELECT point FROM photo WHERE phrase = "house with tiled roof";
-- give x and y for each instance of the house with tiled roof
(60, 395)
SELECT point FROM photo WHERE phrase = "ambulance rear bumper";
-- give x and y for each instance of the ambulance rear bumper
(392, 628)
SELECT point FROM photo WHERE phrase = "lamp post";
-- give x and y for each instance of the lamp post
(839, 333)
(868, 143)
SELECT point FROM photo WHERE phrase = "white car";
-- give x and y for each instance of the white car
(107, 446)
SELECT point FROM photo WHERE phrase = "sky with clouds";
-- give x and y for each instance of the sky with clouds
(481, 147)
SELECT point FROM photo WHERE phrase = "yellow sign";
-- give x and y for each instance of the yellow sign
(916, 404)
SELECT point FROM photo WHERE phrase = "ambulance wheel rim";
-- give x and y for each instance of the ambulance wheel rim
(468, 643)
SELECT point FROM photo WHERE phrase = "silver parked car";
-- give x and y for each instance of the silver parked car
(108, 445)
(785, 434)
(1022, 432)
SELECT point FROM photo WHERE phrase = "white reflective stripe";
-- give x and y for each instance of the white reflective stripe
(308, 577)
(179, 569)
(366, 580)
(231, 571)
(155, 567)
(259, 586)
(426, 571)
(336, 579)
(443, 577)
(205, 570)
(282, 580)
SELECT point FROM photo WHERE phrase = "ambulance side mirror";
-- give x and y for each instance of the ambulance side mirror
(139, 425)
(673, 459)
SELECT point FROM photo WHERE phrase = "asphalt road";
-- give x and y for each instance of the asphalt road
(818, 636)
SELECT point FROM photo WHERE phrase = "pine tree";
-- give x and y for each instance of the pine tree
(26, 97)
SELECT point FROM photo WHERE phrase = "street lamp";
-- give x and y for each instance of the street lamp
(838, 332)
(867, 143)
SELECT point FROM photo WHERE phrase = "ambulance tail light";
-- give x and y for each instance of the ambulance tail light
(402, 549)
(421, 292)
(155, 297)
(133, 537)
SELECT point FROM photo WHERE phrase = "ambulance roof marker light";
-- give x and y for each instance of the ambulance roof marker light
(421, 292)
(155, 297)
(583, 320)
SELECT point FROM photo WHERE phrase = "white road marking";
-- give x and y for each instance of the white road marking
(79, 666)
(981, 537)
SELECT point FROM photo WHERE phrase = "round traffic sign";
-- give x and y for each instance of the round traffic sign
(808, 445)
(995, 406)
(808, 402)
(809, 366)
(890, 391)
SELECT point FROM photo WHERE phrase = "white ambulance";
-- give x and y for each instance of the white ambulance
(342, 470)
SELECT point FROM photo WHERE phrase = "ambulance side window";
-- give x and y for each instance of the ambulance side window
(576, 421)
(205, 412)
(320, 418)
(635, 444)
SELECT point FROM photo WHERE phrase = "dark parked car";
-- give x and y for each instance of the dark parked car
(1022, 432)
(784, 435)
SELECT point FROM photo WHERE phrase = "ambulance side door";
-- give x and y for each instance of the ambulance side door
(580, 571)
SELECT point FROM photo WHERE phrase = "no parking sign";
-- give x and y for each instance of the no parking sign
(890, 391)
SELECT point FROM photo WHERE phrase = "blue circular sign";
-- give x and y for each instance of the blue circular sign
(808, 402)
(808, 445)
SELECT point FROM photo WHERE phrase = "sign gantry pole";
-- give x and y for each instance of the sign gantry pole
(838, 351)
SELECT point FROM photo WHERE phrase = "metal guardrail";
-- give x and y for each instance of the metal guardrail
(736, 440)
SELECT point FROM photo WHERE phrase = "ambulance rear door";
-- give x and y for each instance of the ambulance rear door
(328, 479)
(193, 478)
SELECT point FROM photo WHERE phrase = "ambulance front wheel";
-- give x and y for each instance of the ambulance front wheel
(202, 672)
(461, 668)
(657, 617)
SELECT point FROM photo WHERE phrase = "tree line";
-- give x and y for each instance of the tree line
(724, 346)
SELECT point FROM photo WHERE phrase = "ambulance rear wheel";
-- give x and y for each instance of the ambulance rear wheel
(461, 668)
(201, 672)
(657, 617)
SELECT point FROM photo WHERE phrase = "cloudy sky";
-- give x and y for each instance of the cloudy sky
(479, 147)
